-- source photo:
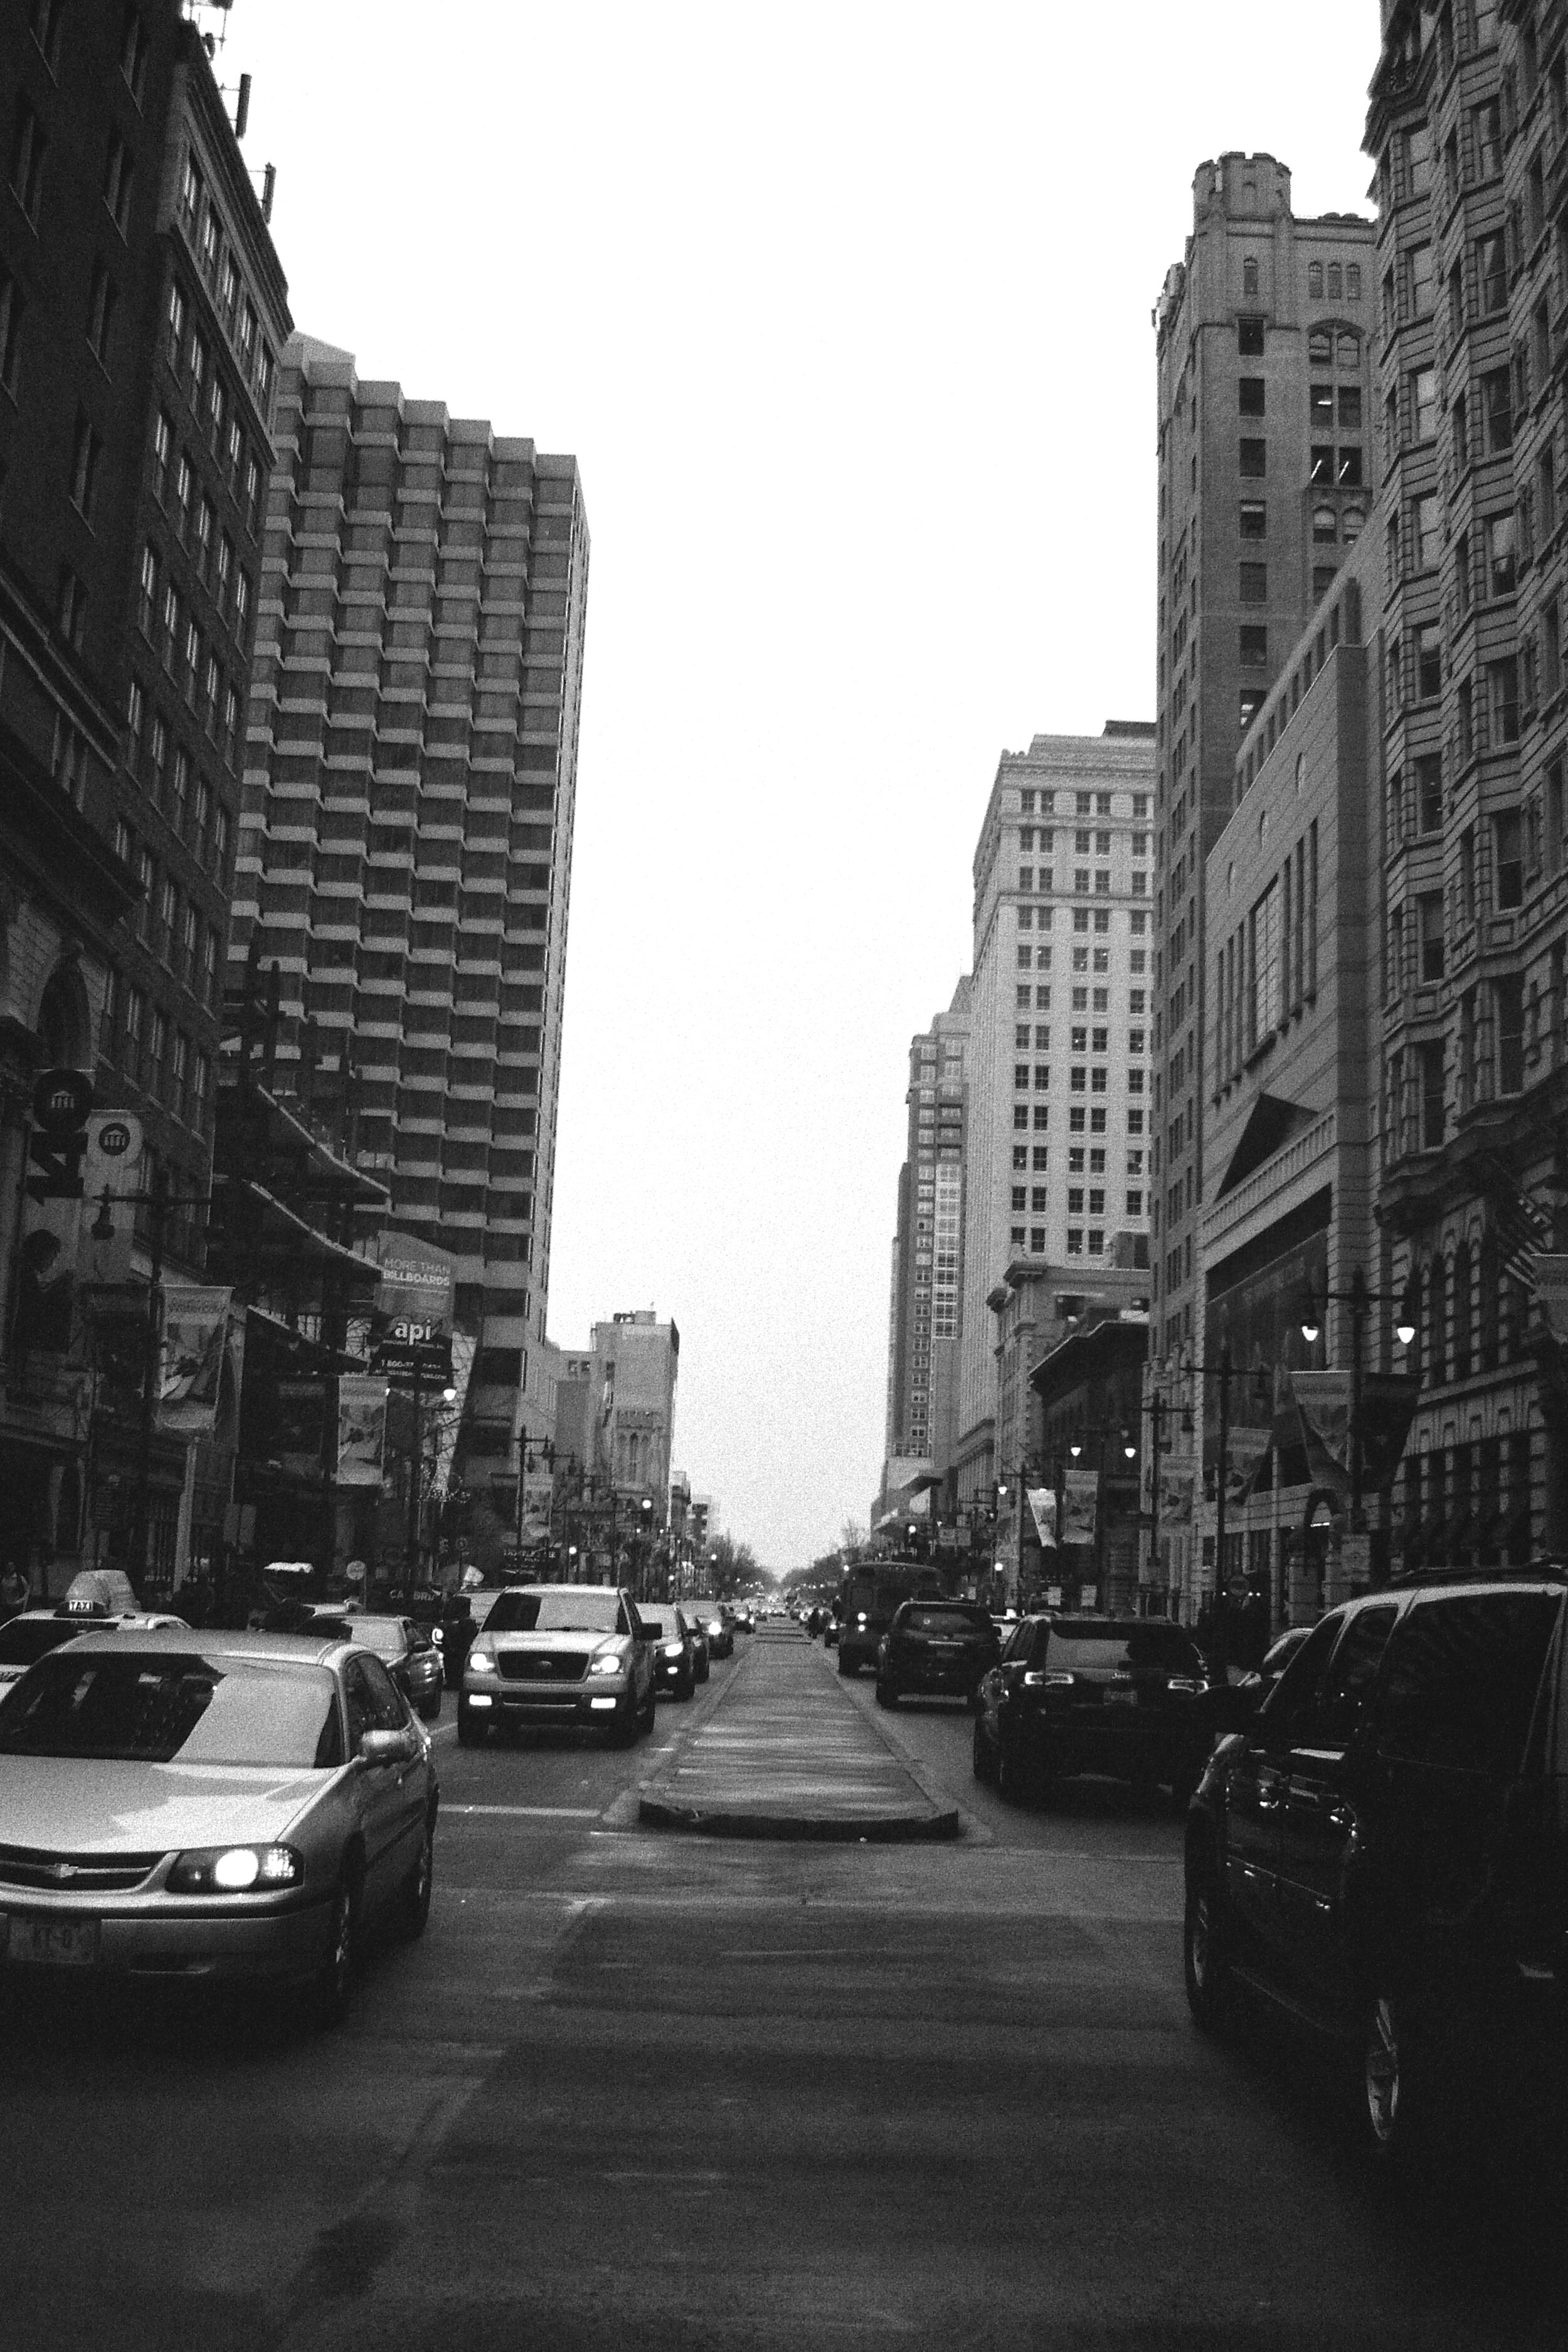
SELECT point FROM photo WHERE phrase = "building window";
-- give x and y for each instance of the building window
(1254, 458)
(1428, 661)
(1497, 410)
(1250, 392)
(86, 459)
(1508, 844)
(1253, 585)
(1429, 916)
(1502, 687)
(1249, 337)
(1253, 646)
(29, 149)
(1500, 554)
(1254, 519)
(1491, 274)
(1425, 515)
(1429, 792)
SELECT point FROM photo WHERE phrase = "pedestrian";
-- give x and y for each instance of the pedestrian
(15, 1591)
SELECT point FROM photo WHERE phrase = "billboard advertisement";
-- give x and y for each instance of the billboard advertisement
(411, 1321)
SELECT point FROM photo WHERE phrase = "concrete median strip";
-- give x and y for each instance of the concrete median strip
(784, 1752)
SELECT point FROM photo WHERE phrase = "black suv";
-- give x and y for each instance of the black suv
(1383, 1851)
(1126, 1696)
(935, 1645)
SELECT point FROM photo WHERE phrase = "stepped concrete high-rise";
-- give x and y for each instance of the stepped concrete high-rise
(406, 850)
(1266, 471)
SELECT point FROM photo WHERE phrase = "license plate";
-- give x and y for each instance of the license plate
(1121, 1698)
(52, 1943)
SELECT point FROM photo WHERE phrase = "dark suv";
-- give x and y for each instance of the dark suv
(1126, 1696)
(935, 1645)
(1383, 1851)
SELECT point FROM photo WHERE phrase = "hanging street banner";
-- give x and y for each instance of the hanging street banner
(1080, 1495)
(1043, 1504)
(112, 1169)
(1246, 1455)
(411, 1321)
(538, 1493)
(1178, 1476)
(195, 1334)
(362, 1428)
(1323, 1403)
(44, 1319)
(1552, 1293)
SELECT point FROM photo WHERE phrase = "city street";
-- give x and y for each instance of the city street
(642, 2087)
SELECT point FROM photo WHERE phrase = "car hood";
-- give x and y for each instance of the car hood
(66, 1803)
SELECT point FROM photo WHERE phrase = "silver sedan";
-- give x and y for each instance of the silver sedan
(199, 1805)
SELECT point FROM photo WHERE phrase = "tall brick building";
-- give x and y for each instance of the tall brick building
(406, 855)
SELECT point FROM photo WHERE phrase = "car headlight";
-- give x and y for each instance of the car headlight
(608, 1662)
(673, 1649)
(235, 1870)
(481, 1662)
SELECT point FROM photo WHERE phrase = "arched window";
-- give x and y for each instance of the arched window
(1347, 349)
(1325, 526)
(1350, 525)
(1249, 275)
(1463, 1312)
(1436, 1352)
(1489, 1303)
(63, 1027)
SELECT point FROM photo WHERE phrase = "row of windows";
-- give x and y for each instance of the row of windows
(1040, 1000)
(1029, 918)
(223, 431)
(1082, 805)
(1038, 958)
(1137, 885)
(1040, 1120)
(1086, 840)
(154, 754)
(140, 1038)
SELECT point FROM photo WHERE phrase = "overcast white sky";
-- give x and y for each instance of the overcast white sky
(844, 311)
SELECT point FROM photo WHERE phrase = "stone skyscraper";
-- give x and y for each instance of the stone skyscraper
(1266, 465)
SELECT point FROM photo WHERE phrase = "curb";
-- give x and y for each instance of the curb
(661, 1811)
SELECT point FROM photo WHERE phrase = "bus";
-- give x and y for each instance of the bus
(866, 1599)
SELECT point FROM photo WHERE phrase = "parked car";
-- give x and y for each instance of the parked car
(936, 1646)
(32, 1633)
(569, 1654)
(1383, 1849)
(674, 1649)
(405, 1648)
(1128, 1697)
(201, 1805)
(696, 1626)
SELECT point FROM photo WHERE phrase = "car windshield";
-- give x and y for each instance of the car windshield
(947, 1625)
(1150, 1647)
(156, 1707)
(26, 1638)
(593, 1610)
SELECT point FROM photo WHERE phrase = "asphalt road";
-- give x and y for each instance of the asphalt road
(643, 2089)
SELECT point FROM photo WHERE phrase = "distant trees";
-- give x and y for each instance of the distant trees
(733, 1564)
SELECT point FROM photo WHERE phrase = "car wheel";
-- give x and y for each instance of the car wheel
(624, 1723)
(334, 1978)
(684, 1685)
(985, 1762)
(1205, 1951)
(646, 1714)
(886, 1691)
(1394, 2113)
(421, 1880)
(470, 1733)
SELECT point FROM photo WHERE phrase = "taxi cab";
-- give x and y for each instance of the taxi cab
(97, 1601)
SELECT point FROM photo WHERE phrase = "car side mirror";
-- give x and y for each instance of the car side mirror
(380, 1749)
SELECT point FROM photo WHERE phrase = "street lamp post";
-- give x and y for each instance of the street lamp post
(1160, 1411)
(1359, 1298)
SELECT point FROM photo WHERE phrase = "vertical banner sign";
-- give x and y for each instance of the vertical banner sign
(196, 1335)
(1246, 1453)
(362, 1428)
(1043, 1504)
(1080, 1498)
(1552, 1292)
(537, 1493)
(51, 1214)
(112, 1174)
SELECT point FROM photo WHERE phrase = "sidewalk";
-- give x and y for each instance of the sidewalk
(786, 1753)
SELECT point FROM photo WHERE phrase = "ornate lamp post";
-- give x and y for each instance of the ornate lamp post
(1359, 1298)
